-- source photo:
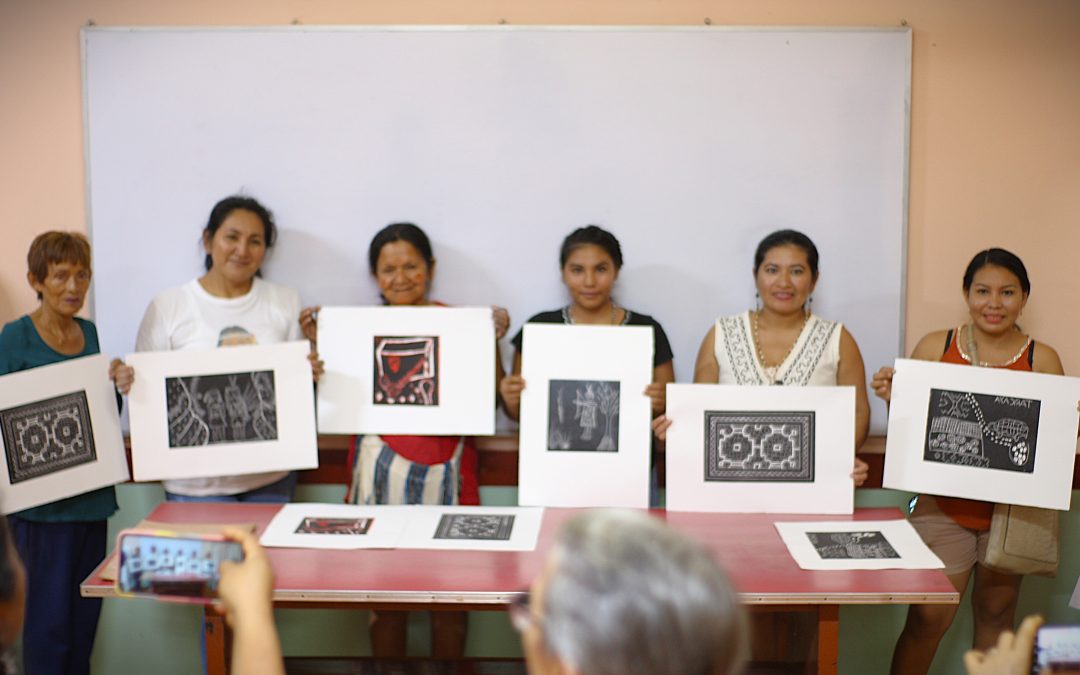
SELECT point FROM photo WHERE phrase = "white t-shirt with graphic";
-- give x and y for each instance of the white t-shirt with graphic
(187, 317)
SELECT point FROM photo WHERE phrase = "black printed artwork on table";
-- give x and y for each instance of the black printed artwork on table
(851, 545)
(47, 436)
(982, 430)
(406, 370)
(221, 408)
(481, 527)
(759, 446)
(315, 525)
(583, 415)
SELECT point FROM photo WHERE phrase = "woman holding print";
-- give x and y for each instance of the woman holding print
(61, 542)
(996, 288)
(231, 304)
(783, 342)
(402, 264)
(590, 260)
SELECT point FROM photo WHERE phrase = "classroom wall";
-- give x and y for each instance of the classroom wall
(994, 149)
(994, 138)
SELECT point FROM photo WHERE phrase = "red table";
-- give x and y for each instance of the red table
(747, 545)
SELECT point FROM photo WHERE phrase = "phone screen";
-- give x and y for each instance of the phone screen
(1057, 648)
(173, 566)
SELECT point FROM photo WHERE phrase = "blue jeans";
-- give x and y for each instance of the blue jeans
(278, 492)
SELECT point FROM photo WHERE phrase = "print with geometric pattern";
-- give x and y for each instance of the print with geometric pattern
(481, 527)
(982, 430)
(221, 408)
(47, 436)
(759, 446)
(406, 371)
(316, 525)
(851, 545)
(583, 415)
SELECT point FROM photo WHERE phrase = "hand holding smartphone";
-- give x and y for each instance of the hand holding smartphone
(1057, 650)
(171, 566)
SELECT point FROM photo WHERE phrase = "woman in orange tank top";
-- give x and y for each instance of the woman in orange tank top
(996, 288)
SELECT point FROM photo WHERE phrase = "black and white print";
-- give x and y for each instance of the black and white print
(982, 430)
(221, 408)
(583, 415)
(759, 446)
(481, 527)
(851, 545)
(47, 436)
(406, 370)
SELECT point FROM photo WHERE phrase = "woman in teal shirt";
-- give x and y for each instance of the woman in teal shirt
(62, 542)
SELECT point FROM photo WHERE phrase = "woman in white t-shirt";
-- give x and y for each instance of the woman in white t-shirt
(229, 305)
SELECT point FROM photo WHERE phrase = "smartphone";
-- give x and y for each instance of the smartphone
(171, 566)
(1057, 649)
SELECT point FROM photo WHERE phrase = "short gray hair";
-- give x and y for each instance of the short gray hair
(628, 594)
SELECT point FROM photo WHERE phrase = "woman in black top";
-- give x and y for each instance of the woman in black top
(590, 259)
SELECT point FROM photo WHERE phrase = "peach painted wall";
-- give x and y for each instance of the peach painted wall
(995, 125)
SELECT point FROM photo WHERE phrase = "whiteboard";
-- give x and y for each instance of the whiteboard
(689, 144)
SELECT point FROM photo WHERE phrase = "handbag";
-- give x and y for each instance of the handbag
(381, 476)
(1023, 540)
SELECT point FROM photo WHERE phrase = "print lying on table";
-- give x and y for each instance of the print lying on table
(759, 446)
(982, 430)
(583, 415)
(315, 525)
(47, 436)
(406, 370)
(484, 527)
(852, 545)
(221, 408)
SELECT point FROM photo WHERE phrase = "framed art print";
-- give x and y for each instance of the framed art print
(219, 412)
(857, 545)
(472, 528)
(736, 449)
(60, 433)
(335, 526)
(407, 370)
(585, 434)
(982, 433)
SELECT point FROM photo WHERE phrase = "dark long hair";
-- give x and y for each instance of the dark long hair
(595, 235)
(1000, 258)
(224, 208)
(787, 238)
(406, 232)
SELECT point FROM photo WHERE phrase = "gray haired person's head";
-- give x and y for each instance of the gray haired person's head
(627, 594)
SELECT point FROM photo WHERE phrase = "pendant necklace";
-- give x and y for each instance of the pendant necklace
(771, 371)
(568, 314)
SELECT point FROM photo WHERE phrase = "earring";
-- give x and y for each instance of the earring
(757, 301)
(810, 306)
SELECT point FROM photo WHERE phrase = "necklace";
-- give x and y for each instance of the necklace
(771, 371)
(972, 354)
(50, 330)
(568, 314)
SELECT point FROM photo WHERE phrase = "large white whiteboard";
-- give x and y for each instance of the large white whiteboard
(690, 144)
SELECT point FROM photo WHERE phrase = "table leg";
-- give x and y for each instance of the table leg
(828, 639)
(218, 638)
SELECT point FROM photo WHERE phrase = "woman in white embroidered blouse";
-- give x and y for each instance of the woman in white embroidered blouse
(782, 342)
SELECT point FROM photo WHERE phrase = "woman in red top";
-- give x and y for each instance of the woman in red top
(996, 288)
(403, 265)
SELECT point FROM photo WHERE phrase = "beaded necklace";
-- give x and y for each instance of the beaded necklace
(972, 354)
